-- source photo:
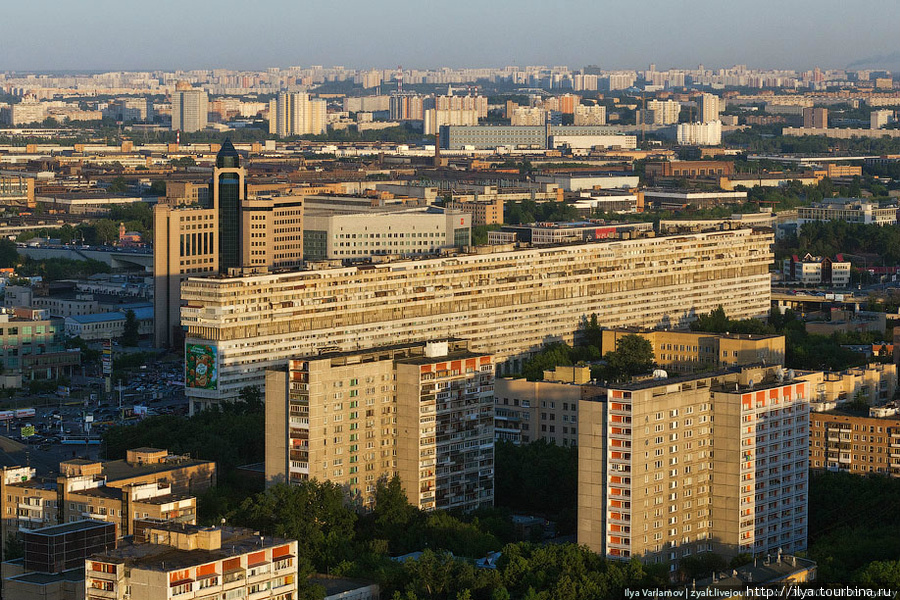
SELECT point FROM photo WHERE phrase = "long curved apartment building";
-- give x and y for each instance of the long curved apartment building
(505, 301)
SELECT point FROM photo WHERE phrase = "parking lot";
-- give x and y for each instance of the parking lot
(70, 424)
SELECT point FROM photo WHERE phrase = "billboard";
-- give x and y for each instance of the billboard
(107, 359)
(201, 366)
(27, 431)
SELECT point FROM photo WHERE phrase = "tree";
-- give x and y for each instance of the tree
(131, 335)
(633, 355)
(118, 186)
(9, 257)
(106, 230)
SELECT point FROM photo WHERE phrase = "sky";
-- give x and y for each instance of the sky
(54, 35)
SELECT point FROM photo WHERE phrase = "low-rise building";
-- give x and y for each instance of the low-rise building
(34, 347)
(873, 384)
(52, 567)
(851, 210)
(693, 351)
(854, 442)
(106, 325)
(817, 270)
(149, 483)
(168, 560)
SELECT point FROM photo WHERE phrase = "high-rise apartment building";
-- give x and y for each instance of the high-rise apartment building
(590, 115)
(189, 108)
(671, 467)
(421, 411)
(816, 118)
(664, 112)
(294, 113)
(709, 107)
(505, 301)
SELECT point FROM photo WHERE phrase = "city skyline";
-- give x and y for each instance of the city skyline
(40, 37)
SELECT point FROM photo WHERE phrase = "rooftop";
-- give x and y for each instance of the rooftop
(161, 557)
(69, 527)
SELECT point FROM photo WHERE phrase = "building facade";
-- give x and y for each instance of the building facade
(294, 113)
(854, 443)
(180, 561)
(403, 232)
(422, 412)
(850, 210)
(505, 301)
(189, 108)
(648, 484)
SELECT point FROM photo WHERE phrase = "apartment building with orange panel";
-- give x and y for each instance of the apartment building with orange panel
(186, 561)
(672, 467)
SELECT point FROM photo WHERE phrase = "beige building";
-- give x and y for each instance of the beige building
(506, 301)
(150, 483)
(695, 351)
(484, 212)
(259, 231)
(294, 113)
(854, 443)
(527, 411)
(182, 561)
(875, 384)
(185, 242)
(590, 115)
(648, 486)
(272, 232)
(422, 411)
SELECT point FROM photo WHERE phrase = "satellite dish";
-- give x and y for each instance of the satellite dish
(660, 374)
(750, 384)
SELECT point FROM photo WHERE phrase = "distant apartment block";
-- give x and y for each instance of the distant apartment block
(189, 108)
(506, 301)
(851, 210)
(422, 411)
(699, 134)
(294, 113)
(815, 117)
(590, 115)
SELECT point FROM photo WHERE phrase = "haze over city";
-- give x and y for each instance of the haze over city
(103, 34)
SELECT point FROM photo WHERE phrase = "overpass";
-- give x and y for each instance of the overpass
(806, 302)
(117, 258)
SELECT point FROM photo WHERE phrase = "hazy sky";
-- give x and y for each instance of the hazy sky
(254, 34)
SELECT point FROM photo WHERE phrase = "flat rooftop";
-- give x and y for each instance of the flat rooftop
(160, 557)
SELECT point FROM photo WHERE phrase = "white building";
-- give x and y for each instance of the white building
(699, 134)
(590, 115)
(593, 141)
(851, 210)
(405, 232)
(880, 118)
(435, 117)
(190, 108)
